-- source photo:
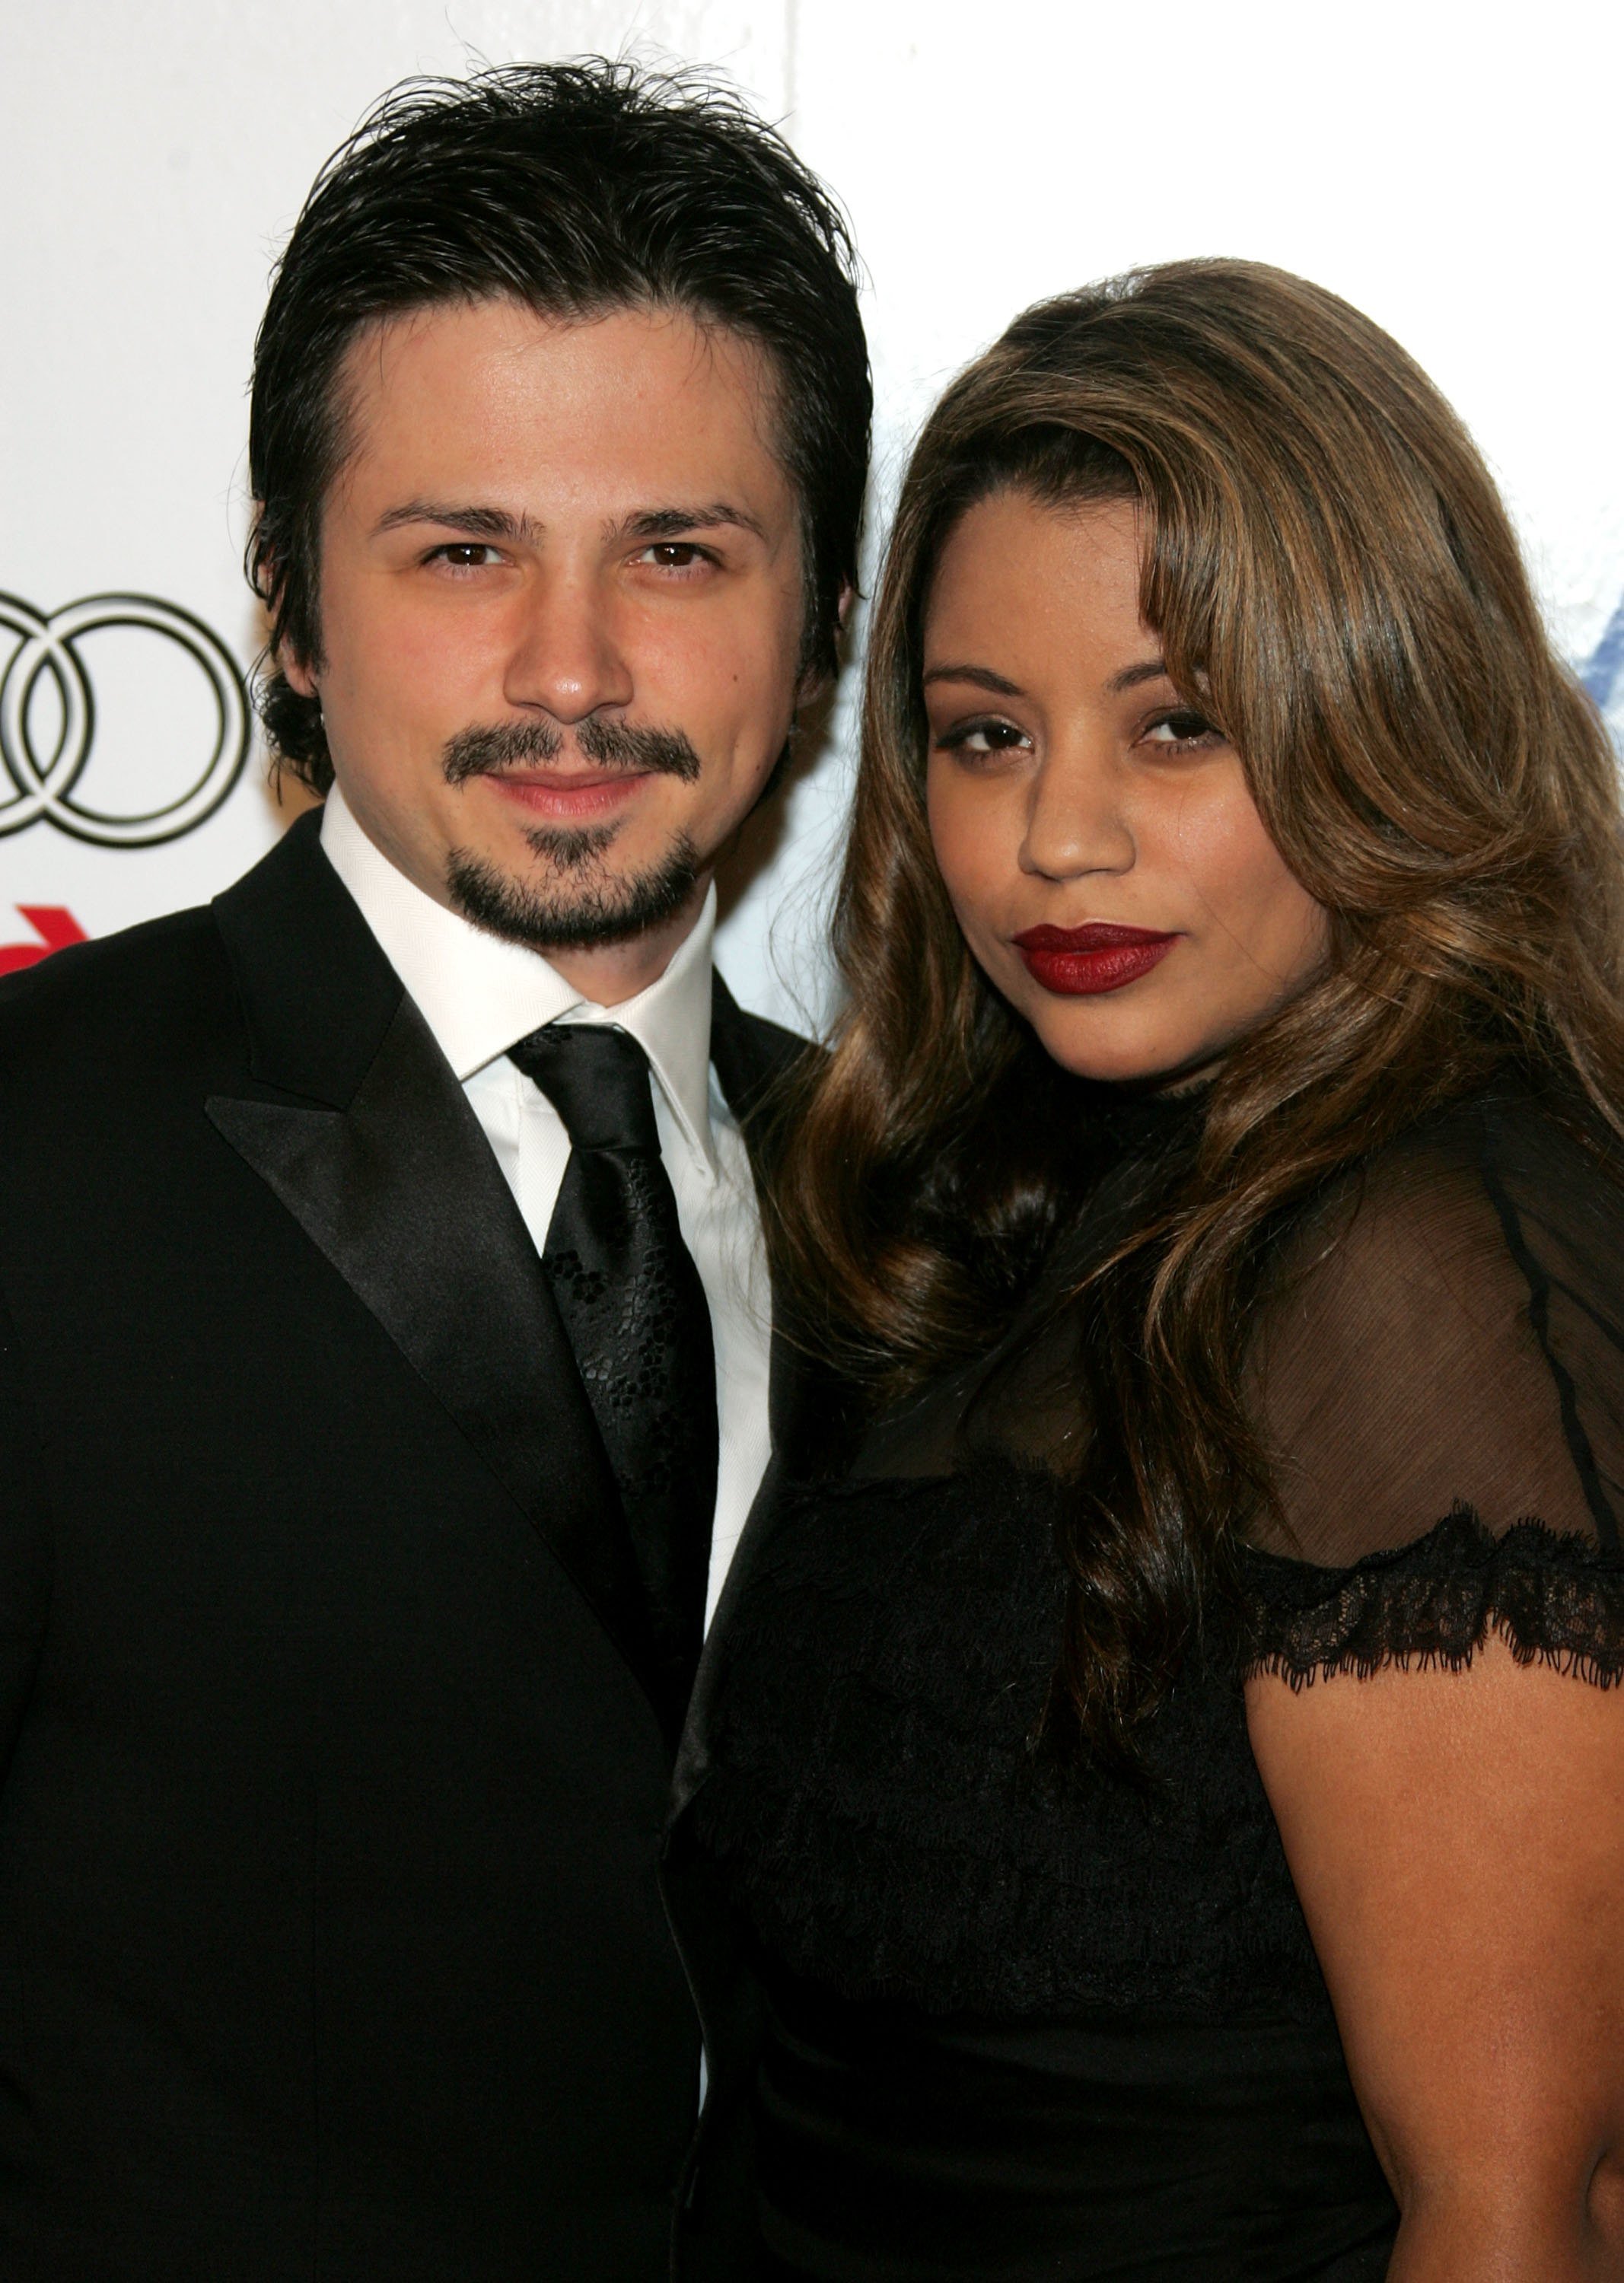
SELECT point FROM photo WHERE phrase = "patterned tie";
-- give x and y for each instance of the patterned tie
(637, 1320)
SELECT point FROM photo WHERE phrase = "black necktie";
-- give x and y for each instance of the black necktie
(637, 1320)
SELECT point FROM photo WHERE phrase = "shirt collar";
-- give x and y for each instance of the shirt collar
(480, 994)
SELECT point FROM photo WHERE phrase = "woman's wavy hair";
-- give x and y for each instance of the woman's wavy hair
(1336, 584)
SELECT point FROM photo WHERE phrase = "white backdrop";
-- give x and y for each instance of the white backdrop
(1452, 169)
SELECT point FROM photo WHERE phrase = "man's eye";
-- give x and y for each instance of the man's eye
(674, 555)
(465, 554)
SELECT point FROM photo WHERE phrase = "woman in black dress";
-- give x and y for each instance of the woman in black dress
(1165, 1755)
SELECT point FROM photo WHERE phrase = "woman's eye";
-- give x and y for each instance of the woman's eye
(982, 737)
(1182, 731)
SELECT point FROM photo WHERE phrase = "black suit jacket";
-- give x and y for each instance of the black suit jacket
(332, 1939)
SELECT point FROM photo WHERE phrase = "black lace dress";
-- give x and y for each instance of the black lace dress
(1025, 2026)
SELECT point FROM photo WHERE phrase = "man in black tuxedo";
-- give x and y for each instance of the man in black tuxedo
(385, 1357)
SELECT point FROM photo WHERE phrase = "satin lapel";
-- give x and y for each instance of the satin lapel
(397, 1186)
(693, 1752)
(748, 1055)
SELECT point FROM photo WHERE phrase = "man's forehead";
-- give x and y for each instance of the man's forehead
(650, 398)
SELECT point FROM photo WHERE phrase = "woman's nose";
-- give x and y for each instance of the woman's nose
(1076, 820)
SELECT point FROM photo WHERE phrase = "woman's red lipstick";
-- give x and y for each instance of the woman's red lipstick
(1079, 961)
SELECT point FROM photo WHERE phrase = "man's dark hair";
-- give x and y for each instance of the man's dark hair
(576, 189)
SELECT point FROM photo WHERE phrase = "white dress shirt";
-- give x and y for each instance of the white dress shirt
(480, 994)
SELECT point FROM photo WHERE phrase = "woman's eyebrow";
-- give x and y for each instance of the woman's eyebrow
(983, 677)
(1149, 669)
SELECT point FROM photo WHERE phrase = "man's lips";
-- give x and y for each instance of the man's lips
(567, 794)
(1079, 962)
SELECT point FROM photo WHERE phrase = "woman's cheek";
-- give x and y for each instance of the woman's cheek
(954, 841)
(1216, 844)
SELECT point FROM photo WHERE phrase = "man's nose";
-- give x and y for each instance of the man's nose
(566, 658)
(1075, 819)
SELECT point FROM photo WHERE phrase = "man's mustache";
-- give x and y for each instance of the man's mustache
(481, 752)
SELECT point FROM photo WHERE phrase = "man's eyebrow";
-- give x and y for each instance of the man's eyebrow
(479, 522)
(652, 523)
(982, 676)
(673, 522)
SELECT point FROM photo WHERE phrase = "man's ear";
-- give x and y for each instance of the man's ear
(814, 679)
(297, 674)
(267, 585)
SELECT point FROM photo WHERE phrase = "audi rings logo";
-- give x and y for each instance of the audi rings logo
(46, 785)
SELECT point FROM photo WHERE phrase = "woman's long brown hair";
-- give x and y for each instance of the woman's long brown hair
(1336, 584)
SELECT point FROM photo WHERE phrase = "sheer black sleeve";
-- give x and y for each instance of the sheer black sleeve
(1439, 1374)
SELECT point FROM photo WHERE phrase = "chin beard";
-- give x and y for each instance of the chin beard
(579, 913)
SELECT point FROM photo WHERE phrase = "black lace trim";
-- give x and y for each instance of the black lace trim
(1553, 1598)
